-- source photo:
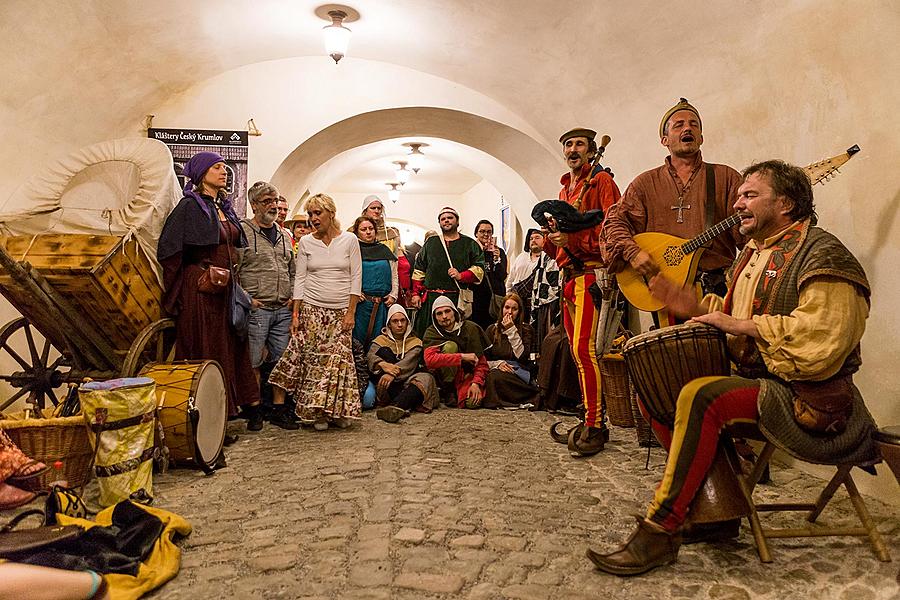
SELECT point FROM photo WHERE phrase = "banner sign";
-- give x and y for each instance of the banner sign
(231, 145)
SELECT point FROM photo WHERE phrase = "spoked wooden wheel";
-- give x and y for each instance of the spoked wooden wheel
(156, 343)
(33, 371)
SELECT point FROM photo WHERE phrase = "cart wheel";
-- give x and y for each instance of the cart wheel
(37, 375)
(156, 343)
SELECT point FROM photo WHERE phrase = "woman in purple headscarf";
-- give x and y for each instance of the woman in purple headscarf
(204, 231)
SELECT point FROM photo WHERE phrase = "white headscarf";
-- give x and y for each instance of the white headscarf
(442, 301)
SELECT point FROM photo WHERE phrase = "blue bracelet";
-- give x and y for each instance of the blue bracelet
(95, 583)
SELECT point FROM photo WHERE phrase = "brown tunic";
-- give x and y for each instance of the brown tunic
(203, 324)
(647, 205)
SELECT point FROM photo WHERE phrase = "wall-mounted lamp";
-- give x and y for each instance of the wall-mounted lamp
(415, 157)
(337, 37)
(393, 193)
(401, 173)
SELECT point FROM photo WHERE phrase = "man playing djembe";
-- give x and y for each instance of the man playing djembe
(794, 313)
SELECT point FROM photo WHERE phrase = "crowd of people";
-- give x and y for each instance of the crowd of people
(345, 320)
(348, 319)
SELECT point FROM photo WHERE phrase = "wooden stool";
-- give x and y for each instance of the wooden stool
(842, 477)
(888, 440)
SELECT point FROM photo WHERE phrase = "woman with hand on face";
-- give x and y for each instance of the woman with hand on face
(509, 380)
(496, 267)
(379, 282)
(317, 367)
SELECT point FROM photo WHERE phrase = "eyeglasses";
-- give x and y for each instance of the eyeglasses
(265, 202)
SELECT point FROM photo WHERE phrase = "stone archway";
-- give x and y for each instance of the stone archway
(531, 160)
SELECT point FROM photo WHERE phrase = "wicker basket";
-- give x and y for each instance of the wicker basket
(616, 390)
(645, 437)
(54, 439)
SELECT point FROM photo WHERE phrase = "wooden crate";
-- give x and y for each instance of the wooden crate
(106, 279)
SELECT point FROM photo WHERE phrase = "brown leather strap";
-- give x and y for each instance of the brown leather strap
(123, 423)
(710, 196)
(375, 304)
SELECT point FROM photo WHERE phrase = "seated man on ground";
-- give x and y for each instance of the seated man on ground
(454, 353)
(794, 314)
(509, 378)
(397, 385)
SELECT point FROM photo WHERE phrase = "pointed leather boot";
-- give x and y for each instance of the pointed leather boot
(587, 441)
(649, 546)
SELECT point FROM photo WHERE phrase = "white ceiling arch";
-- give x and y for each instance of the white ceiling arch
(500, 153)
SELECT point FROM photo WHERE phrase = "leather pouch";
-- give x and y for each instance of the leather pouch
(214, 280)
(823, 406)
(15, 542)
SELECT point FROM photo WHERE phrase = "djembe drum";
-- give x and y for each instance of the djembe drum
(660, 363)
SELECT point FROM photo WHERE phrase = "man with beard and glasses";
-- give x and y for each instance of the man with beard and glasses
(266, 268)
(434, 275)
(577, 255)
(682, 197)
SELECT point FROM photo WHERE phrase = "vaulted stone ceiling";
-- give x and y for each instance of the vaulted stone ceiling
(80, 71)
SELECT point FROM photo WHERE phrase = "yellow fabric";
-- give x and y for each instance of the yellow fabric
(162, 564)
(128, 443)
(816, 338)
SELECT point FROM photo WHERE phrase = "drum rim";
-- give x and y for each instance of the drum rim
(195, 382)
(672, 331)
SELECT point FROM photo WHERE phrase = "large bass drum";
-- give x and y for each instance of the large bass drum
(660, 363)
(192, 408)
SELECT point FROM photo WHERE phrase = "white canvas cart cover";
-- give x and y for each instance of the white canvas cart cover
(125, 187)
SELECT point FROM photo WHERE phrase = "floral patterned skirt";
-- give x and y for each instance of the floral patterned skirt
(317, 367)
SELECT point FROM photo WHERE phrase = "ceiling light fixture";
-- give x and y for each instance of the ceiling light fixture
(401, 172)
(415, 156)
(393, 193)
(337, 37)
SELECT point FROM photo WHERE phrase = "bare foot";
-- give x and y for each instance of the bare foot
(29, 468)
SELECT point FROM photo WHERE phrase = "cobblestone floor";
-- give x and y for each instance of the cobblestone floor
(474, 505)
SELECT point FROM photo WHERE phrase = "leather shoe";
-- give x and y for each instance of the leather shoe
(281, 417)
(587, 441)
(649, 546)
(563, 438)
(719, 531)
(391, 414)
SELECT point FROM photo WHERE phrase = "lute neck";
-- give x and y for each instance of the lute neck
(713, 232)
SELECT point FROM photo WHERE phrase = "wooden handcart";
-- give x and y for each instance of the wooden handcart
(96, 301)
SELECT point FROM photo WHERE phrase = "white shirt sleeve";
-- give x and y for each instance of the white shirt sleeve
(395, 281)
(355, 266)
(515, 340)
(300, 266)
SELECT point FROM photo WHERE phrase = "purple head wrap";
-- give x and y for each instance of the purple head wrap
(194, 170)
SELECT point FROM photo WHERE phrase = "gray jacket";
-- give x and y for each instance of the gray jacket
(266, 270)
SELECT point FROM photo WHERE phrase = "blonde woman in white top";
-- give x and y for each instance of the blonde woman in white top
(317, 366)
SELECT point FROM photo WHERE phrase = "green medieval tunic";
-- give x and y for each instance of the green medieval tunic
(430, 278)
